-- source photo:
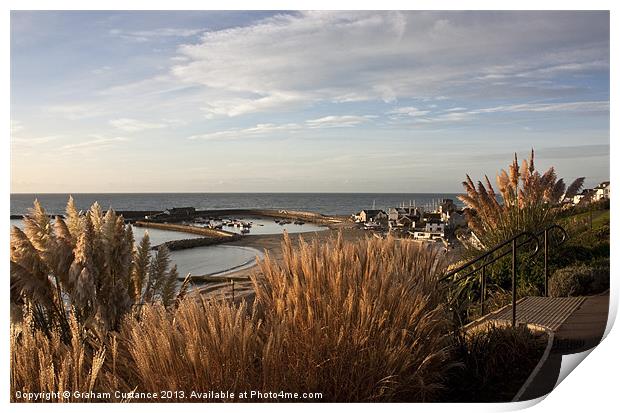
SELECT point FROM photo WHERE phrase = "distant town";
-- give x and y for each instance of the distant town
(443, 221)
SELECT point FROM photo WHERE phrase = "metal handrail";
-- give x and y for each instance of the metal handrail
(515, 245)
(531, 237)
(545, 233)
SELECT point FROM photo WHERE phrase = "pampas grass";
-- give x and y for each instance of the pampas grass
(355, 321)
(87, 263)
(361, 321)
(529, 201)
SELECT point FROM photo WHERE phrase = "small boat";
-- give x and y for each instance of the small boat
(299, 222)
(277, 221)
(245, 230)
(372, 225)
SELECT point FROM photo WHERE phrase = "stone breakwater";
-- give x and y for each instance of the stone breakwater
(210, 236)
(273, 213)
(182, 244)
(207, 232)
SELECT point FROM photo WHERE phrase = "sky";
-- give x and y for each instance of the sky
(139, 101)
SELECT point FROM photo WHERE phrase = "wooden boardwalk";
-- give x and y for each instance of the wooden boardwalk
(546, 312)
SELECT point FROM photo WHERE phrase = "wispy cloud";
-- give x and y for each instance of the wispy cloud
(76, 111)
(134, 125)
(408, 111)
(459, 114)
(268, 129)
(343, 121)
(382, 62)
(596, 106)
(97, 143)
(261, 129)
(146, 35)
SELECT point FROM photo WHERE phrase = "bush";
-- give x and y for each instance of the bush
(579, 280)
(496, 361)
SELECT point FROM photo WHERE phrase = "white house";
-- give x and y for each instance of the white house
(435, 226)
(367, 215)
(584, 196)
(601, 191)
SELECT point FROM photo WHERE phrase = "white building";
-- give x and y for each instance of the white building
(601, 191)
(368, 215)
(584, 196)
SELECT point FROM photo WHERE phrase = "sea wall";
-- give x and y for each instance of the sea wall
(206, 232)
(183, 244)
(272, 213)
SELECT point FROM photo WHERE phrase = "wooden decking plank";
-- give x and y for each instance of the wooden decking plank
(545, 311)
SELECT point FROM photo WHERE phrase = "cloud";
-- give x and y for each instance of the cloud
(240, 106)
(461, 114)
(101, 70)
(134, 125)
(408, 111)
(26, 143)
(261, 129)
(97, 143)
(147, 35)
(75, 111)
(345, 121)
(310, 57)
(268, 129)
(593, 106)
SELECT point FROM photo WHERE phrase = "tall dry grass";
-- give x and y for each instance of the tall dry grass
(355, 321)
(43, 364)
(205, 345)
(88, 263)
(528, 201)
(361, 321)
(76, 279)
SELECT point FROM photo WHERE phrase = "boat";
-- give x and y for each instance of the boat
(371, 225)
(299, 222)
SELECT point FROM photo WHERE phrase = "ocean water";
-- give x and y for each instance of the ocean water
(207, 260)
(324, 203)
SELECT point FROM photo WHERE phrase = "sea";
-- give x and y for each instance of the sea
(324, 203)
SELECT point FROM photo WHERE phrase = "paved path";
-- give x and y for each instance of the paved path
(582, 330)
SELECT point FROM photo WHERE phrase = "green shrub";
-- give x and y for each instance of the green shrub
(580, 280)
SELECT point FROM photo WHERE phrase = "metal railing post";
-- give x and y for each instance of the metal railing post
(514, 283)
(546, 250)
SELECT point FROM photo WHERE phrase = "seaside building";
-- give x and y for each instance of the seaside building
(601, 191)
(370, 215)
(583, 197)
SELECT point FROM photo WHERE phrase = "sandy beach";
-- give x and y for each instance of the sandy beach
(272, 245)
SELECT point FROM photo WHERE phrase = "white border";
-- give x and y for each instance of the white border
(591, 387)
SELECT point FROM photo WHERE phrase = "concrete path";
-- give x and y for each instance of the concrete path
(582, 330)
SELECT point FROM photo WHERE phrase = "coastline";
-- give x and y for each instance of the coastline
(269, 244)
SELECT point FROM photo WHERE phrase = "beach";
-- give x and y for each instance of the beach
(271, 245)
